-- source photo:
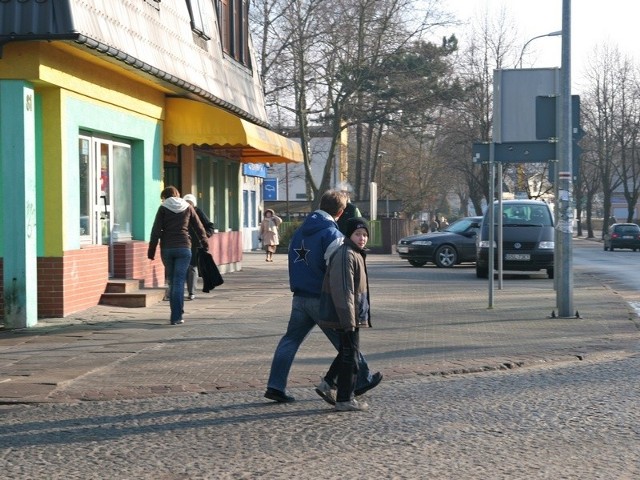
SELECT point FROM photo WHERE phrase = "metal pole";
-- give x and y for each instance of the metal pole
(500, 225)
(286, 187)
(564, 201)
(492, 219)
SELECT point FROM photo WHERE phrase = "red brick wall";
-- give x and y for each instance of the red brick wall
(226, 247)
(76, 281)
(72, 283)
(130, 261)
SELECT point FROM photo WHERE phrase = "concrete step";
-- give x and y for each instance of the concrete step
(144, 297)
(121, 285)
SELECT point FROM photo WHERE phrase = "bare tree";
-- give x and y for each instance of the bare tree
(492, 46)
(603, 111)
(627, 133)
(332, 51)
(587, 185)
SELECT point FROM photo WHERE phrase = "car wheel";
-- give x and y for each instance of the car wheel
(446, 256)
(482, 272)
(611, 248)
(550, 272)
(605, 247)
(417, 263)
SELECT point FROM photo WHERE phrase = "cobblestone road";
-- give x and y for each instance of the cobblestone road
(569, 421)
(558, 400)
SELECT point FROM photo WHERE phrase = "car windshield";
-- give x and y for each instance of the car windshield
(459, 226)
(525, 214)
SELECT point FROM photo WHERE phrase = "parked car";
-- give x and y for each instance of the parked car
(527, 238)
(622, 235)
(451, 246)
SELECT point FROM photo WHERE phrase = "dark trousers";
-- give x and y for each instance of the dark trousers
(345, 365)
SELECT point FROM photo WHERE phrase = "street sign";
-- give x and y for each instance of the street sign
(514, 101)
(546, 117)
(515, 152)
(270, 189)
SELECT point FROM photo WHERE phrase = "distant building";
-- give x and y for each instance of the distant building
(291, 178)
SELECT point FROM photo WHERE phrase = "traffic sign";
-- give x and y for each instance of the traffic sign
(515, 152)
(546, 117)
(270, 189)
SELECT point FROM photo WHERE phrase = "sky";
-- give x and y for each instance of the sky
(593, 23)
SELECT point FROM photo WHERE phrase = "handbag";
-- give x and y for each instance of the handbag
(211, 277)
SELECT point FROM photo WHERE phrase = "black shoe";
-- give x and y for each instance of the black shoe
(278, 396)
(376, 378)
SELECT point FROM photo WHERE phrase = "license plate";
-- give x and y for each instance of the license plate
(517, 256)
(627, 237)
(403, 249)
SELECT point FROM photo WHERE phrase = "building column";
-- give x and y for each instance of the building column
(18, 190)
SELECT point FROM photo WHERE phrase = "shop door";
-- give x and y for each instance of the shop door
(105, 193)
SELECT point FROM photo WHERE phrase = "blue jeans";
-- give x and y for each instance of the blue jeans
(301, 322)
(176, 261)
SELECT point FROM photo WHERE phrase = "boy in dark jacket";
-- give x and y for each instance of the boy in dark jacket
(347, 283)
(309, 251)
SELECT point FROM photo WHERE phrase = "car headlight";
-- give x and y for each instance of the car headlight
(422, 242)
(485, 244)
(546, 245)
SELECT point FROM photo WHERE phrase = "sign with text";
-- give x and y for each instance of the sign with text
(254, 170)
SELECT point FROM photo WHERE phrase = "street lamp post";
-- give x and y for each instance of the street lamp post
(564, 174)
(550, 34)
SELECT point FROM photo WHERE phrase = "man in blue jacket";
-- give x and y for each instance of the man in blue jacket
(310, 248)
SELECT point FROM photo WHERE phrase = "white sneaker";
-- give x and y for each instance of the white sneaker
(192, 296)
(327, 393)
(352, 406)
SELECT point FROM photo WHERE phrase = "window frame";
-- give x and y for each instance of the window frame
(197, 19)
(233, 25)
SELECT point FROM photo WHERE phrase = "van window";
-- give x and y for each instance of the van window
(523, 214)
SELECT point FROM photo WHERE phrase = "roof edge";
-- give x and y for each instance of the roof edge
(138, 64)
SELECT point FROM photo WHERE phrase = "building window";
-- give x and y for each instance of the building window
(233, 20)
(198, 18)
(154, 3)
(249, 200)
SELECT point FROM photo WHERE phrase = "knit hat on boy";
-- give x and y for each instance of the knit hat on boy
(355, 223)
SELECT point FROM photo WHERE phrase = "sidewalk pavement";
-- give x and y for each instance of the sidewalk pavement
(427, 321)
